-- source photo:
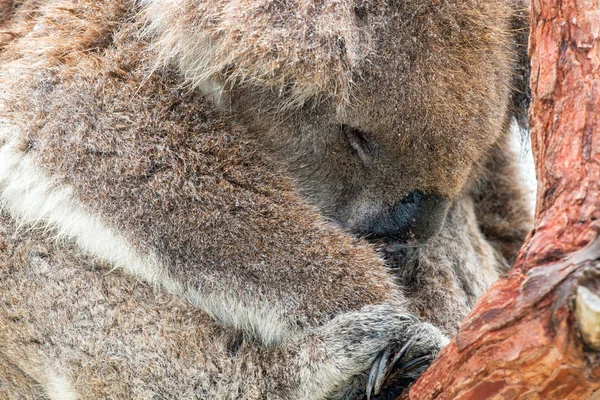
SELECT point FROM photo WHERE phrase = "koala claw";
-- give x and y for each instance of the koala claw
(383, 367)
(378, 369)
(417, 362)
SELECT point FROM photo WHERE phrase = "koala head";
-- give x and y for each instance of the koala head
(382, 110)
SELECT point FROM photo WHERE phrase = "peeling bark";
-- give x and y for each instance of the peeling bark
(536, 333)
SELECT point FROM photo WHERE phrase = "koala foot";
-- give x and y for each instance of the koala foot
(392, 371)
(380, 348)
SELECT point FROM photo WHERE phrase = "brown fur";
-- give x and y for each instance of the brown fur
(16, 384)
(430, 92)
(97, 108)
(120, 340)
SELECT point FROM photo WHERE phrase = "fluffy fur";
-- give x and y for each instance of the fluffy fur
(427, 88)
(104, 149)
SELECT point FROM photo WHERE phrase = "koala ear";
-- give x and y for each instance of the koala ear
(240, 40)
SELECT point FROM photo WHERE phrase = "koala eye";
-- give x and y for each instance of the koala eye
(358, 142)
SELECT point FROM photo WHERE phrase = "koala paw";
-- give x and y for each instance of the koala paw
(399, 365)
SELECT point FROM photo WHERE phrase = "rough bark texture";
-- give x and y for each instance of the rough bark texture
(524, 339)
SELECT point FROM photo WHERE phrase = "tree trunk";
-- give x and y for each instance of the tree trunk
(536, 333)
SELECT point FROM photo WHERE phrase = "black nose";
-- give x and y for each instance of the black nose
(413, 220)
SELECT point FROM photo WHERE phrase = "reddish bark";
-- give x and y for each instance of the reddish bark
(523, 340)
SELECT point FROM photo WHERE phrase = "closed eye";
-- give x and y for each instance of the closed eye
(358, 142)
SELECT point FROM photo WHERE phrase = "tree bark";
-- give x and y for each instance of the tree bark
(536, 333)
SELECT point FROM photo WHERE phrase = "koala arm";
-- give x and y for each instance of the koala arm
(322, 298)
(503, 202)
(63, 311)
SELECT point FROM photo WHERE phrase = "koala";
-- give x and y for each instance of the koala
(249, 199)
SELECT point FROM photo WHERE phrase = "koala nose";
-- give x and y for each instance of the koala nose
(413, 220)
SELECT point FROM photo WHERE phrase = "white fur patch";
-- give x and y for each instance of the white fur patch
(266, 324)
(215, 92)
(59, 387)
(521, 145)
(34, 199)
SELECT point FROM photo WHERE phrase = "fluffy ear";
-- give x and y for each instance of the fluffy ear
(301, 49)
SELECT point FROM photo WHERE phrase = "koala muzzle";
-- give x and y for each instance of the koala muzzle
(411, 221)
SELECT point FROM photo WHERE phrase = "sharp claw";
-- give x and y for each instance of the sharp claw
(399, 355)
(381, 369)
(371, 381)
(382, 372)
(416, 362)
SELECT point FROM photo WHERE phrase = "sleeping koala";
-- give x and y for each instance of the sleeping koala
(326, 184)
